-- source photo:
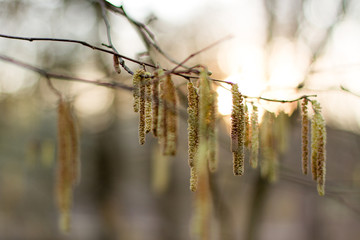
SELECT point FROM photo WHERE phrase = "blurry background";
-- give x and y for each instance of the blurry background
(280, 49)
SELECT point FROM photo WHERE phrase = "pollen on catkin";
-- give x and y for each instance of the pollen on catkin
(254, 138)
(237, 130)
(136, 88)
(193, 123)
(155, 100)
(148, 102)
(68, 169)
(318, 151)
(305, 136)
(142, 91)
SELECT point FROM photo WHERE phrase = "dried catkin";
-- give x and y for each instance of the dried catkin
(136, 87)
(148, 100)
(142, 91)
(305, 136)
(68, 162)
(167, 126)
(237, 130)
(318, 152)
(254, 138)
(116, 64)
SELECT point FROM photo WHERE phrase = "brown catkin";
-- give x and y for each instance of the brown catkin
(254, 138)
(116, 64)
(318, 151)
(305, 136)
(237, 131)
(148, 101)
(68, 162)
(136, 87)
(142, 91)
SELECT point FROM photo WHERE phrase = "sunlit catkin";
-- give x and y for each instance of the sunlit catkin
(207, 119)
(305, 136)
(237, 130)
(136, 88)
(68, 162)
(142, 91)
(318, 152)
(254, 138)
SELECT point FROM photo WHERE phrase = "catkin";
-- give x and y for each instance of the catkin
(116, 64)
(193, 123)
(167, 126)
(254, 138)
(213, 158)
(136, 87)
(148, 100)
(318, 154)
(142, 91)
(68, 162)
(237, 130)
(247, 127)
(155, 101)
(304, 136)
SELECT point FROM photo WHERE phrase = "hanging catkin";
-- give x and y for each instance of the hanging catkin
(148, 101)
(136, 88)
(193, 132)
(142, 91)
(167, 126)
(318, 142)
(237, 130)
(304, 136)
(68, 162)
(254, 137)
(207, 119)
(155, 101)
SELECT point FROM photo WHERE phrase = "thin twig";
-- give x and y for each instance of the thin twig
(49, 75)
(282, 101)
(108, 33)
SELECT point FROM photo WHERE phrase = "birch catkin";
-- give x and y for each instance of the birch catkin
(136, 87)
(148, 102)
(155, 101)
(237, 130)
(68, 162)
(254, 138)
(304, 136)
(318, 154)
(142, 88)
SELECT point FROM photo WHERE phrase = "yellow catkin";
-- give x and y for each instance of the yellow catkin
(207, 119)
(136, 87)
(142, 91)
(116, 64)
(167, 125)
(193, 123)
(155, 101)
(148, 102)
(304, 136)
(247, 127)
(237, 130)
(318, 151)
(67, 163)
(254, 138)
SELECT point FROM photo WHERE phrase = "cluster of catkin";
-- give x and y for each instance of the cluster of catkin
(244, 132)
(155, 101)
(318, 143)
(68, 169)
(202, 141)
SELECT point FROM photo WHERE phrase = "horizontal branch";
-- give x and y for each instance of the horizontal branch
(49, 75)
(282, 101)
